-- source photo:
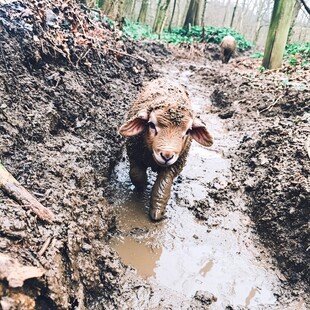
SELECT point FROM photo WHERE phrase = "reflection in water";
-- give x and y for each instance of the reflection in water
(138, 255)
(206, 268)
(250, 296)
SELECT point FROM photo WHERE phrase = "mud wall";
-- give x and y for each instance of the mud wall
(64, 90)
(271, 165)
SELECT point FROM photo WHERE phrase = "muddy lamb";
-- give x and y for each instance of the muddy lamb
(228, 47)
(160, 126)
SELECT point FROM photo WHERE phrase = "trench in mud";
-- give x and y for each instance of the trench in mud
(181, 253)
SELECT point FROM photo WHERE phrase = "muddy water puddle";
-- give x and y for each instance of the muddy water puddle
(182, 254)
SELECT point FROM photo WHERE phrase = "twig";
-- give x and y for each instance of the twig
(45, 246)
(83, 56)
(271, 105)
(308, 146)
(10, 185)
(38, 194)
(126, 54)
(81, 25)
(246, 77)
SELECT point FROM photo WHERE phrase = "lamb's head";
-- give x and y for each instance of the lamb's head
(167, 129)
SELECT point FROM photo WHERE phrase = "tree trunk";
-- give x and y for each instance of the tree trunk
(243, 14)
(119, 14)
(305, 6)
(108, 8)
(161, 15)
(258, 20)
(191, 14)
(277, 33)
(198, 16)
(143, 11)
(172, 15)
(203, 13)
(132, 8)
(226, 12)
(234, 13)
(180, 14)
(127, 8)
(296, 10)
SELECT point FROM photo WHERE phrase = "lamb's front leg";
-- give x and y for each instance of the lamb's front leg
(161, 194)
(138, 175)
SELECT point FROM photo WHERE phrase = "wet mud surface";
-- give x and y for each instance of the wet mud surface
(236, 231)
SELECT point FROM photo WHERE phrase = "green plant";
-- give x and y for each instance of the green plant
(257, 55)
(293, 61)
(297, 53)
(296, 48)
(261, 69)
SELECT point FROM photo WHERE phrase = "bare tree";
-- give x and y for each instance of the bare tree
(194, 13)
(305, 6)
(278, 32)
(297, 7)
(119, 14)
(127, 7)
(204, 13)
(108, 8)
(243, 13)
(199, 12)
(226, 12)
(143, 11)
(172, 14)
(161, 15)
(131, 8)
(241, 16)
(234, 13)
(259, 19)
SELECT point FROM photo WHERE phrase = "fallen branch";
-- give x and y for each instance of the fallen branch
(126, 54)
(271, 105)
(45, 246)
(10, 185)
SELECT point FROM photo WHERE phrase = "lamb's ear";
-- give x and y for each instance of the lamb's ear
(200, 133)
(135, 125)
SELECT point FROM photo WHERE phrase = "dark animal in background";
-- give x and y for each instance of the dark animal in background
(228, 47)
(160, 126)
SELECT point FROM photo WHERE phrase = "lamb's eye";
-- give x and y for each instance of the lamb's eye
(151, 125)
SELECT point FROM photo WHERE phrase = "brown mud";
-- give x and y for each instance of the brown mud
(236, 232)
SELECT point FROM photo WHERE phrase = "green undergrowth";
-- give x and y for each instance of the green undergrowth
(180, 35)
(294, 54)
(297, 53)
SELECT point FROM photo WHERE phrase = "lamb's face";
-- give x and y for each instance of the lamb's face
(167, 133)
(166, 129)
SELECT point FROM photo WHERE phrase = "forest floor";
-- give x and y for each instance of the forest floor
(236, 232)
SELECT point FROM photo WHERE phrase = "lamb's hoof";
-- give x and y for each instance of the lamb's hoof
(156, 214)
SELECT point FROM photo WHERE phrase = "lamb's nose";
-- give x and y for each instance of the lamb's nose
(166, 156)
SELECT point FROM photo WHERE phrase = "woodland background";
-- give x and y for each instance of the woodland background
(251, 18)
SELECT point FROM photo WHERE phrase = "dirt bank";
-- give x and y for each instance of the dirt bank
(64, 90)
(271, 164)
(63, 95)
